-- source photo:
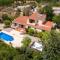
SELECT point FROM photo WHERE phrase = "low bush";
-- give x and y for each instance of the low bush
(26, 41)
(31, 31)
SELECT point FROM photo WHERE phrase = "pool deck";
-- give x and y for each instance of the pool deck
(18, 37)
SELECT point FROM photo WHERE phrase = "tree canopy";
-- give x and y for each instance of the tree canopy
(23, 53)
(26, 41)
(47, 1)
(6, 2)
(48, 11)
(56, 19)
(52, 49)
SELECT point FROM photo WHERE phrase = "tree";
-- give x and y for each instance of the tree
(7, 23)
(18, 12)
(38, 1)
(48, 11)
(37, 55)
(26, 41)
(7, 17)
(45, 36)
(7, 20)
(21, 57)
(7, 52)
(39, 34)
(23, 53)
(56, 19)
(52, 49)
(6, 2)
(29, 54)
(26, 11)
(47, 1)
(30, 31)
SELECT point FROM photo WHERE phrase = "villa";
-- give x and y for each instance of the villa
(14, 35)
(36, 20)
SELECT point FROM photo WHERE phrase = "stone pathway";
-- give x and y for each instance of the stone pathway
(1, 26)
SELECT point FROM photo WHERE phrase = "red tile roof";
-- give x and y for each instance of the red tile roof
(22, 20)
(48, 25)
(37, 16)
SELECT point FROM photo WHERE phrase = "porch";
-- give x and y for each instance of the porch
(18, 27)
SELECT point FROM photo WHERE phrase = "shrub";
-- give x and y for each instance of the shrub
(39, 34)
(6, 17)
(30, 31)
(26, 41)
(7, 20)
(7, 23)
(56, 19)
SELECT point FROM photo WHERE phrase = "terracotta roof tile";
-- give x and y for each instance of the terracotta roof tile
(22, 20)
(37, 16)
(48, 25)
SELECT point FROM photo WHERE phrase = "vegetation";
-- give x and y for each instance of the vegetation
(39, 34)
(56, 19)
(10, 53)
(7, 17)
(30, 31)
(7, 23)
(45, 36)
(6, 52)
(41, 1)
(48, 11)
(51, 49)
(30, 54)
(9, 2)
(6, 2)
(26, 12)
(50, 40)
(18, 12)
(51, 43)
(7, 20)
(26, 41)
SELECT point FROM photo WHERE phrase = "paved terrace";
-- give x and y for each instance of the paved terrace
(18, 37)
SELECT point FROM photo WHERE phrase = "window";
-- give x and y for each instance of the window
(21, 26)
(44, 22)
(15, 24)
(31, 21)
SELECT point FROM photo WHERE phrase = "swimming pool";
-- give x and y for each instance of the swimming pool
(6, 37)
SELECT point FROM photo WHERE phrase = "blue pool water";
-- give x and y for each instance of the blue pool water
(6, 37)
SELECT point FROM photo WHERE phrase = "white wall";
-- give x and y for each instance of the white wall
(40, 22)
